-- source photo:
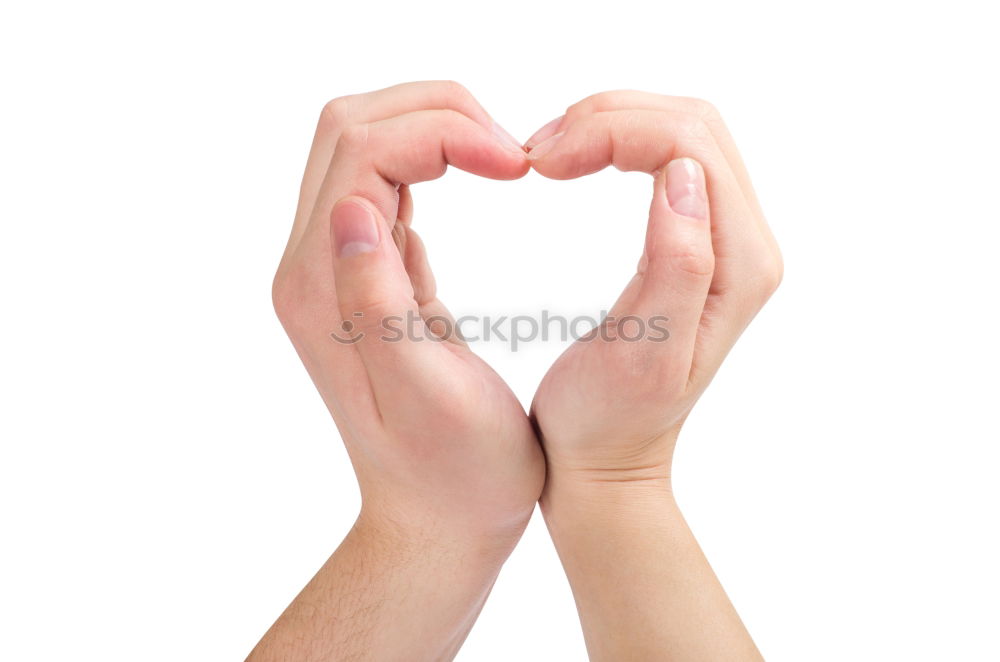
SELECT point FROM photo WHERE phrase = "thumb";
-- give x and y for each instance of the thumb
(376, 298)
(676, 267)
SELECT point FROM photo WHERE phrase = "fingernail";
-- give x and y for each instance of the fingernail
(544, 133)
(506, 139)
(686, 188)
(544, 147)
(354, 229)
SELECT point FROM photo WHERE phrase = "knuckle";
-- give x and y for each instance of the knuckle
(454, 91)
(772, 273)
(285, 297)
(335, 115)
(605, 99)
(765, 278)
(585, 106)
(592, 104)
(353, 137)
(704, 109)
(297, 293)
(692, 260)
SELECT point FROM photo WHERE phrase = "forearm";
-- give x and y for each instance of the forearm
(642, 585)
(386, 594)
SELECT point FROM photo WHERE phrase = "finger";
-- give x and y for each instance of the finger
(409, 148)
(373, 288)
(411, 248)
(434, 313)
(373, 160)
(305, 301)
(548, 130)
(418, 268)
(404, 214)
(414, 256)
(441, 322)
(660, 311)
(630, 140)
(636, 100)
(703, 110)
(644, 140)
(372, 107)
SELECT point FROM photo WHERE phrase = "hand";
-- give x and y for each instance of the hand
(612, 409)
(447, 461)
(435, 435)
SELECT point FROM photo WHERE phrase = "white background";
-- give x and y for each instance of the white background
(170, 479)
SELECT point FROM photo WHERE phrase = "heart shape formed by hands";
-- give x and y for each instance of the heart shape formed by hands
(437, 439)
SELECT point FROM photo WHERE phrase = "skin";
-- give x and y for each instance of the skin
(448, 463)
(609, 413)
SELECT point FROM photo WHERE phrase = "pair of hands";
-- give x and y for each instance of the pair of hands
(446, 458)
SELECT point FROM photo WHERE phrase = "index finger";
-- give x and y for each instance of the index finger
(368, 107)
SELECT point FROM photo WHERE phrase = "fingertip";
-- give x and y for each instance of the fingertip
(505, 168)
(678, 244)
(568, 154)
(488, 154)
(545, 147)
(522, 171)
(354, 227)
(544, 133)
(549, 163)
(515, 165)
(505, 138)
(685, 188)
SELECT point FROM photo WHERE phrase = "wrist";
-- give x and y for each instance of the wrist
(392, 590)
(641, 582)
(432, 536)
(587, 505)
(611, 493)
(585, 464)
